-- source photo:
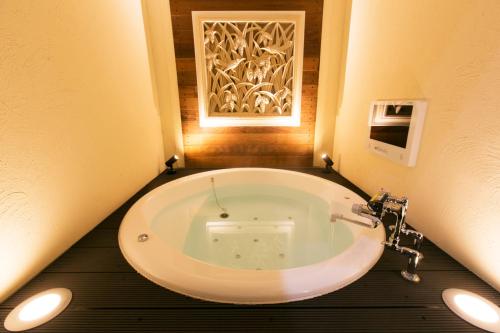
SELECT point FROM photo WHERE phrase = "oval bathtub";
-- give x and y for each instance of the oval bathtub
(275, 245)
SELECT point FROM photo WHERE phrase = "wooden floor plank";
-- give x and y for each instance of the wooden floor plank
(84, 260)
(100, 237)
(397, 320)
(434, 260)
(375, 289)
(109, 296)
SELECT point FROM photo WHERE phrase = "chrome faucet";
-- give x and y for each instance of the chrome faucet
(382, 204)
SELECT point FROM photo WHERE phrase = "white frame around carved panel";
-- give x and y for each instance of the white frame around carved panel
(295, 17)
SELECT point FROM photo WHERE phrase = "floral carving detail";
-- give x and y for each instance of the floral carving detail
(264, 38)
(210, 34)
(261, 103)
(230, 100)
(249, 67)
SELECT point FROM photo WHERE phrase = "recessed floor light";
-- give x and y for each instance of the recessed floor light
(38, 309)
(473, 308)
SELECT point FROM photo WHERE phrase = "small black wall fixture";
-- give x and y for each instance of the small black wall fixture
(328, 163)
(170, 164)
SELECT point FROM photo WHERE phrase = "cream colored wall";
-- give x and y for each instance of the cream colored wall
(79, 132)
(158, 23)
(334, 33)
(447, 52)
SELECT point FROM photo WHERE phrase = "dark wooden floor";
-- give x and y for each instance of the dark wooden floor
(109, 296)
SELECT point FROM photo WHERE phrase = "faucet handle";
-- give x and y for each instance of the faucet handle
(376, 203)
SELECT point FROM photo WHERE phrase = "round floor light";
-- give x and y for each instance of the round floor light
(473, 308)
(38, 309)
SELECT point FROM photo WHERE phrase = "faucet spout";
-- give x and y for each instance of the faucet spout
(374, 221)
(366, 212)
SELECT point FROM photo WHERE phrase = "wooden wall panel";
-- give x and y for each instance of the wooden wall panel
(246, 146)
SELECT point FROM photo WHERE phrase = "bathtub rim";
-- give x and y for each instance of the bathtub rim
(368, 247)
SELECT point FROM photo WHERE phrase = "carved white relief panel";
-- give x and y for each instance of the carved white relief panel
(249, 67)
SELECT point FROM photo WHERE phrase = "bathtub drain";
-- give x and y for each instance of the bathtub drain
(142, 237)
(224, 214)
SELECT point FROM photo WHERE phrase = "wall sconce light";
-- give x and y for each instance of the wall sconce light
(170, 164)
(328, 163)
(473, 308)
(38, 309)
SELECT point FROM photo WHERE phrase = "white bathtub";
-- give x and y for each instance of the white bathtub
(261, 253)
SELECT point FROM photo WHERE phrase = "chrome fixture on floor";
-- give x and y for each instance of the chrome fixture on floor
(382, 204)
